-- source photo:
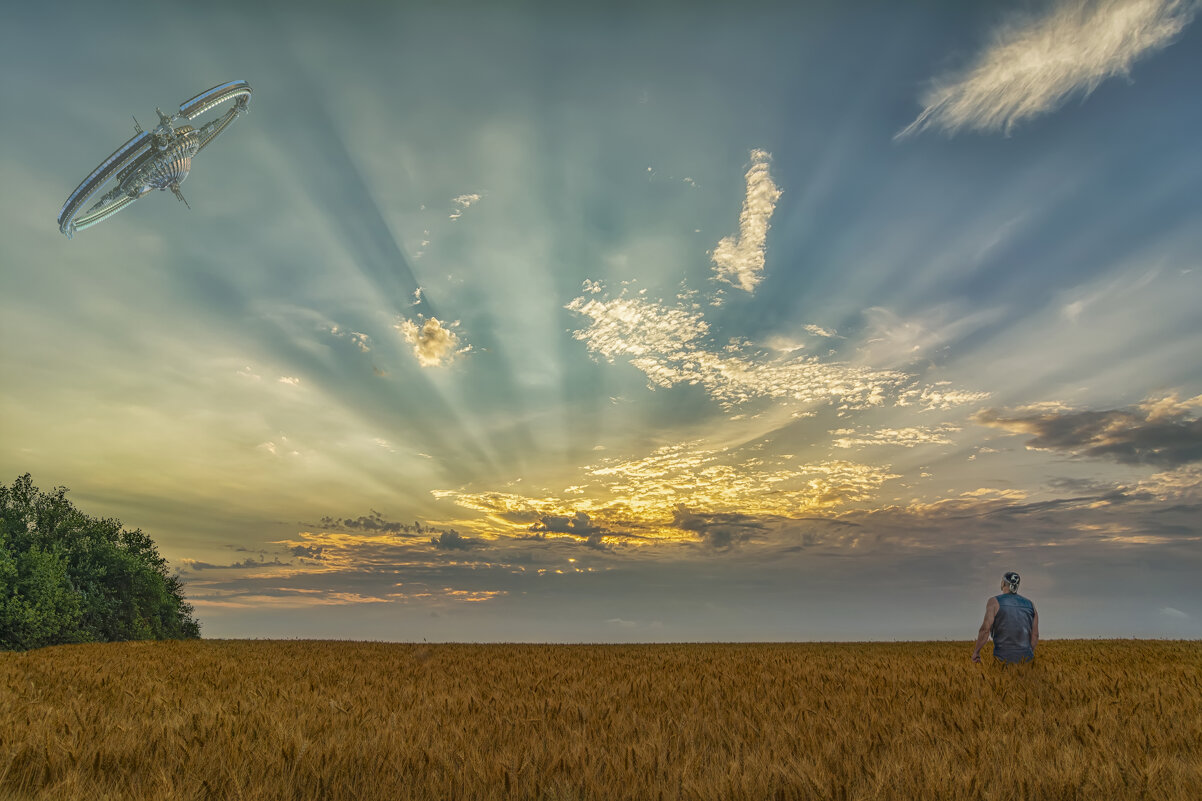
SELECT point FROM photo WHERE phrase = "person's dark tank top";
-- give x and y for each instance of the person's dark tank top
(1012, 628)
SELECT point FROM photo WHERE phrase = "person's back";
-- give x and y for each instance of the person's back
(1011, 630)
(1012, 621)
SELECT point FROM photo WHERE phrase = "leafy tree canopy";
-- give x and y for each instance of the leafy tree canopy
(66, 577)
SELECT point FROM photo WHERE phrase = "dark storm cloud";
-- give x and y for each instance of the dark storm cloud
(1148, 435)
(579, 524)
(452, 540)
(246, 564)
(447, 539)
(719, 530)
(308, 552)
(373, 522)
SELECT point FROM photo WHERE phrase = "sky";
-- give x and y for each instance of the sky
(624, 322)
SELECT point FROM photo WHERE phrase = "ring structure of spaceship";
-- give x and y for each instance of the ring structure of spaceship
(156, 159)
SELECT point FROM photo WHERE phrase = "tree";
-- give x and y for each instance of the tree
(66, 577)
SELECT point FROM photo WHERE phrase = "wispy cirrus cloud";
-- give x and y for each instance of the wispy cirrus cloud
(819, 331)
(1160, 432)
(740, 260)
(1035, 62)
(434, 344)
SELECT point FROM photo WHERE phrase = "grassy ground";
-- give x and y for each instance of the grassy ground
(344, 720)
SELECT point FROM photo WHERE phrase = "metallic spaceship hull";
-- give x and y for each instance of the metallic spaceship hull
(172, 166)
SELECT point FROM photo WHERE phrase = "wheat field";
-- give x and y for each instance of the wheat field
(215, 719)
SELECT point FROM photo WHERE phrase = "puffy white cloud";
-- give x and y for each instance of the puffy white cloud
(1169, 406)
(434, 344)
(740, 260)
(1036, 62)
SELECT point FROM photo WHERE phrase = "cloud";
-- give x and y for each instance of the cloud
(578, 525)
(740, 261)
(1158, 432)
(1036, 62)
(782, 344)
(307, 551)
(1055, 530)
(718, 530)
(374, 550)
(373, 522)
(434, 344)
(678, 493)
(452, 540)
(940, 396)
(894, 341)
(671, 345)
(461, 204)
(1169, 407)
(1176, 614)
(1066, 539)
(246, 564)
(905, 437)
(360, 340)
(276, 598)
(1179, 486)
(819, 331)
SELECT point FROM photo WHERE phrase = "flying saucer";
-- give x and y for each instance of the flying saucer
(157, 159)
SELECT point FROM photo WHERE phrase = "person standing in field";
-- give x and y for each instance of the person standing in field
(1013, 623)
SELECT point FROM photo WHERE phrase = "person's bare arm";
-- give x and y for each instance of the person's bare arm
(1034, 629)
(991, 607)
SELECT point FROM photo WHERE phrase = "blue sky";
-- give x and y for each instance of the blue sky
(677, 322)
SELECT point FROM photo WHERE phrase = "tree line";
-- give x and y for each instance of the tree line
(66, 577)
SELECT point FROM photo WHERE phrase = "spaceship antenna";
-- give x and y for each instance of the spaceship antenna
(180, 195)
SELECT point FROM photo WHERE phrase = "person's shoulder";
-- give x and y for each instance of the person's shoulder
(993, 601)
